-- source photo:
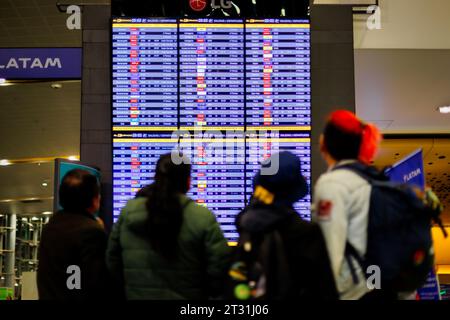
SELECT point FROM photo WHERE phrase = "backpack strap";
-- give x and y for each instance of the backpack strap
(351, 252)
(369, 173)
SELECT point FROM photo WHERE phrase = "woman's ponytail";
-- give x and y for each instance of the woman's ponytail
(370, 140)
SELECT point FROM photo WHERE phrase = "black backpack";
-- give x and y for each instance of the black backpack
(260, 269)
(399, 238)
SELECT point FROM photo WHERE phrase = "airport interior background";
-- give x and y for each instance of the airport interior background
(401, 78)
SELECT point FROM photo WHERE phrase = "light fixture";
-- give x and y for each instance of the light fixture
(73, 158)
(56, 85)
(34, 219)
(4, 162)
(47, 212)
(444, 109)
(44, 184)
(5, 83)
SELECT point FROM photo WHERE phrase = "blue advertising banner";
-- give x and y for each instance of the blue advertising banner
(410, 170)
(40, 63)
(431, 290)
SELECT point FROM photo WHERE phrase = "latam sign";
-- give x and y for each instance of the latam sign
(40, 63)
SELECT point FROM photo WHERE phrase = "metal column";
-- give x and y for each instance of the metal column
(10, 274)
(36, 234)
(2, 231)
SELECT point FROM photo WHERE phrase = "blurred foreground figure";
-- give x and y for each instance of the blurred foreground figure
(279, 256)
(165, 246)
(342, 197)
(378, 232)
(72, 249)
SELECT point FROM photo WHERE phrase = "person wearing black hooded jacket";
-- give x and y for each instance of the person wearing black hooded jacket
(307, 271)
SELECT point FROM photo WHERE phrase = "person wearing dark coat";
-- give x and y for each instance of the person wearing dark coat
(165, 246)
(72, 249)
(271, 209)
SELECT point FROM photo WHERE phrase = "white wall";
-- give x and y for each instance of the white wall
(406, 24)
(400, 90)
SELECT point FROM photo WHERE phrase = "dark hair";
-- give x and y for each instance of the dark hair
(165, 212)
(77, 190)
(341, 145)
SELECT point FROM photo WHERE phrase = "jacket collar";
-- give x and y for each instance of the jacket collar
(342, 163)
(80, 213)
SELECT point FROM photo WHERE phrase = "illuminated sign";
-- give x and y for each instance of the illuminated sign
(40, 63)
(227, 86)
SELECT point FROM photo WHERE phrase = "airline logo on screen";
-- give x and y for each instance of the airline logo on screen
(197, 5)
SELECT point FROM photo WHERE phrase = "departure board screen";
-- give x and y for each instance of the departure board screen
(228, 93)
(134, 160)
(211, 77)
(278, 75)
(145, 75)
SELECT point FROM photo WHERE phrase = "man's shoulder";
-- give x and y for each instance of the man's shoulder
(343, 178)
(67, 222)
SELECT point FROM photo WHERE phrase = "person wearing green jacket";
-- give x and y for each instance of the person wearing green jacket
(164, 245)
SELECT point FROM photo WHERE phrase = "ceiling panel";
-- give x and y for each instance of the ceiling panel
(24, 181)
(38, 121)
(37, 23)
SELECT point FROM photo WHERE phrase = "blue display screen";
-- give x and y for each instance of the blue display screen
(227, 92)
(62, 167)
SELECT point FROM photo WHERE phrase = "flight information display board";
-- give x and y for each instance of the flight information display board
(211, 77)
(278, 75)
(134, 160)
(145, 75)
(238, 90)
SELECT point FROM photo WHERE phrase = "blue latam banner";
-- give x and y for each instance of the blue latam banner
(40, 63)
(409, 170)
